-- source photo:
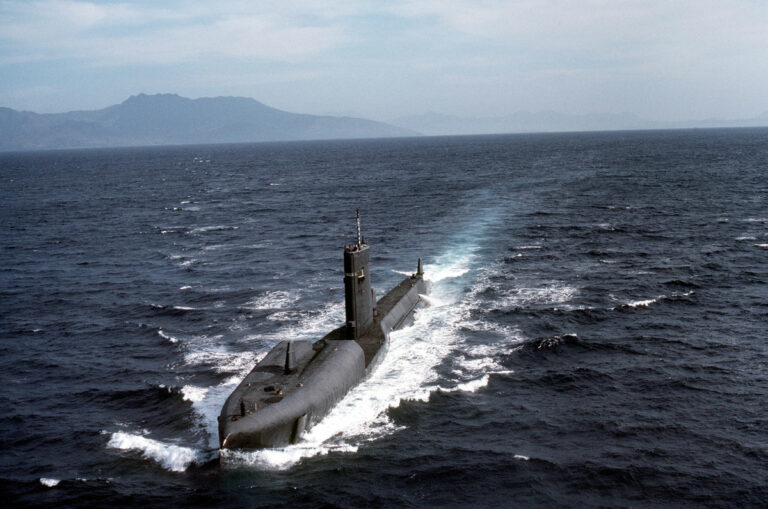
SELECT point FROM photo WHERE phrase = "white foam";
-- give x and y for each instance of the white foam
(521, 457)
(432, 301)
(746, 237)
(648, 302)
(552, 293)
(193, 394)
(761, 245)
(276, 299)
(642, 303)
(166, 336)
(172, 457)
(171, 229)
(221, 361)
(315, 324)
(204, 229)
(471, 386)
(437, 274)
(49, 482)
(285, 316)
(185, 287)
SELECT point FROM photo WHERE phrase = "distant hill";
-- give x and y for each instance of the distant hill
(550, 121)
(168, 119)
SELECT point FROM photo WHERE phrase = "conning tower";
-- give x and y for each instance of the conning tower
(358, 295)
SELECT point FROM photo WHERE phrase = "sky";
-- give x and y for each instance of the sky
(660, 59)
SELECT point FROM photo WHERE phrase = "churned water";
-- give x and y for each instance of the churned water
(596, 333)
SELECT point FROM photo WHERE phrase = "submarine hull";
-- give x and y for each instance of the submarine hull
(299, 382)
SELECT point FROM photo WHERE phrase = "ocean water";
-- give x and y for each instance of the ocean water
(596, 334)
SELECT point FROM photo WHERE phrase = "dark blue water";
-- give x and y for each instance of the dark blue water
(597, 333)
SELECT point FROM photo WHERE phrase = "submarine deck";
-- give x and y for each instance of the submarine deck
(372, 341)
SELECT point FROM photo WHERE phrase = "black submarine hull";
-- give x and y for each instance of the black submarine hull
(299, 382)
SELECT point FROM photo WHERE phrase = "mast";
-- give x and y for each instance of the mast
(359, 233)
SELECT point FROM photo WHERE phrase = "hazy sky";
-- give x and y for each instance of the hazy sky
(664, 60)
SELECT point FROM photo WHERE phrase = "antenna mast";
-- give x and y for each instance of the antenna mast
(359, 234)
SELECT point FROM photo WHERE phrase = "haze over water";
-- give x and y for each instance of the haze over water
(595, 334)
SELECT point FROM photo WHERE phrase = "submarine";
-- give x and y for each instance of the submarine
(298, 382)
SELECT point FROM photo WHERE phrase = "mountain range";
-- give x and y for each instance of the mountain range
(168, 119)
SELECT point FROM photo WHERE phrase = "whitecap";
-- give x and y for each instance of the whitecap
(471, 386)
(171, 457)
(642, 303)
(549, 293)
(166, 336)
(438, 274)
(49, 482)
(193, 394)
(204, 229)
(274, 299)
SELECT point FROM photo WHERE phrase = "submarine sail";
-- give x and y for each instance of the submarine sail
(298, 382)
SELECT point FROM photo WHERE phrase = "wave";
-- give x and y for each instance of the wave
(275, 299)
(49, 482)
(644, 303)
(165, 230)
(166, 336)
(548, 293)
(474, 385)
(163, 309)
(438, 274)
(194, 394)
(171, 457)
(215, 228)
